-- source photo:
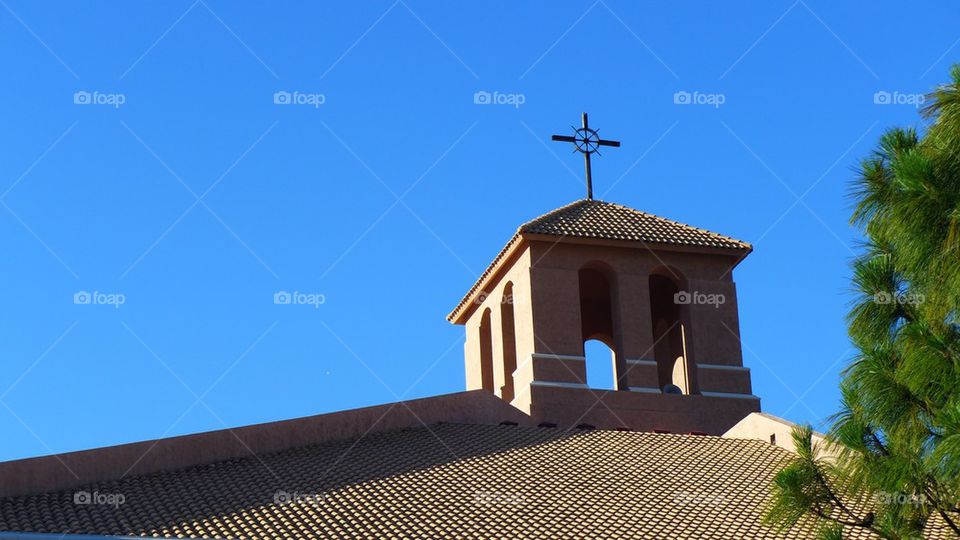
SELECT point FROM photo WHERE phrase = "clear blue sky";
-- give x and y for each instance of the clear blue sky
(103, 196)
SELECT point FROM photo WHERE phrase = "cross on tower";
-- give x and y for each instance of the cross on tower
(586, 141)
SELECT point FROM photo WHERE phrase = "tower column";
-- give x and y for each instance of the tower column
(636, 331)
(557, 355)
(496, 323)
(471, 355)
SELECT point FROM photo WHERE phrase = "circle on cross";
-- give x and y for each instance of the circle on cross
(587, 141)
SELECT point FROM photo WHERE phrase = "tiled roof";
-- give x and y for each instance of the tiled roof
(446, 481)
(590, 218)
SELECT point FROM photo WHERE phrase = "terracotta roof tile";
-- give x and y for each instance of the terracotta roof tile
(446, 481)
(590, 218)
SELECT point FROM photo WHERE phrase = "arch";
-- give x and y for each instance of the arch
(598, 315)
(509, 339)
(486, 352)
(669, 314)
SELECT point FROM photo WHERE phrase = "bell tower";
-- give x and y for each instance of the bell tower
(658, 293)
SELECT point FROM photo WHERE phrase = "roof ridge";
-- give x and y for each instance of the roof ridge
(630, 432)
(580, 202)
(551, 213)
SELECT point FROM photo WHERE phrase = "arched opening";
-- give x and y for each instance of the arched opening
(597, 324)
(486, 352)
(601, 364)
(509, 339)
(668, 311)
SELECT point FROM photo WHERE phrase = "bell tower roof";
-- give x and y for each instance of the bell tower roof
(591, 219)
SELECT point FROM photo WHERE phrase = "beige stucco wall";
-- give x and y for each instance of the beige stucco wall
(64, 471)
(771, 429)
(638, 411)
(712, 329)
(514, 270)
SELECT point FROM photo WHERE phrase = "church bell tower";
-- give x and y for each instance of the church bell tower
(657, 292)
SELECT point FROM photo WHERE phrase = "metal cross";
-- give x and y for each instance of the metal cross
(586, 141)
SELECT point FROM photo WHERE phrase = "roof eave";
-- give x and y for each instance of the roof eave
(461, 313)
(740, 252)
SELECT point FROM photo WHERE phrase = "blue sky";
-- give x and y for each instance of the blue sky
(177, 186)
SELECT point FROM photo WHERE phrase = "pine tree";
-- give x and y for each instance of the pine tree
(891, 463)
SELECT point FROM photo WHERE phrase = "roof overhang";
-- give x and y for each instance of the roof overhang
(636, 244)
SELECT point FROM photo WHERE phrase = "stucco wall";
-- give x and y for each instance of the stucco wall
(609, 409)
(64, 471)
(514, 270)
(712, 329)
(774, 430)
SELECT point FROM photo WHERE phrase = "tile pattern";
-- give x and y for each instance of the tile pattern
(446, 481)
(598, 219)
